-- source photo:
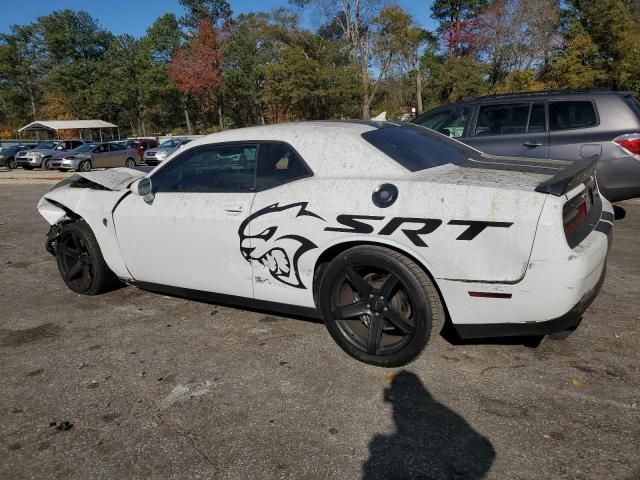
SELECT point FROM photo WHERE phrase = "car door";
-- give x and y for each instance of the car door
(116, 155)
(100, 156)
(513, 129)
(187, 235)
(574, 134)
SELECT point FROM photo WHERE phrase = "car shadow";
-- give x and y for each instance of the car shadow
(431, 441)
(451, 336)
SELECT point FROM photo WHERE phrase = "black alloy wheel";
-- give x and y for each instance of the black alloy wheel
(80, 260)
(379, 305)
(12, 163)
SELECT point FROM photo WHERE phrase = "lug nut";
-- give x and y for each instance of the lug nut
(371, 295)
(385, 309)
(368, 306)
(381, 297)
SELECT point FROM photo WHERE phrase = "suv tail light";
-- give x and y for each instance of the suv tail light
(630, 143)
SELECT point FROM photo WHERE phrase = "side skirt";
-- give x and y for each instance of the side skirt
(229, 300)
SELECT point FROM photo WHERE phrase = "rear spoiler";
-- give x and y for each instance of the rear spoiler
(578, 172)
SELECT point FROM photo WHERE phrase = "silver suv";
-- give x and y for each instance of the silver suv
(563, 125)
(40, 155)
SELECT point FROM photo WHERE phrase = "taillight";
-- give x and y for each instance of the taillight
(574, 217)
(630, 143)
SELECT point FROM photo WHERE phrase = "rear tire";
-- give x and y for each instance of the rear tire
(379, 306)
(130, 163)
(12, 164)
(84, 166)
(80, 260)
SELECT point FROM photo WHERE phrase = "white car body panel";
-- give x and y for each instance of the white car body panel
(210, 241)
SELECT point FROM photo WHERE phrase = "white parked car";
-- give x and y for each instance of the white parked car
(378, 227)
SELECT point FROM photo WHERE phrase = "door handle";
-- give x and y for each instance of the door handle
(531, 144)
(233, 209)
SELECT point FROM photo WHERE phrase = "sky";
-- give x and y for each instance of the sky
(135, 16)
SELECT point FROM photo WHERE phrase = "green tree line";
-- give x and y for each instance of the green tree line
(210, 70)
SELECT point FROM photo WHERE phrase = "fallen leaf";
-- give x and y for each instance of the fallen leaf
(388, 377)
(578, 383)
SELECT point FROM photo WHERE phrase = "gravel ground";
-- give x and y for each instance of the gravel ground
(162, 387)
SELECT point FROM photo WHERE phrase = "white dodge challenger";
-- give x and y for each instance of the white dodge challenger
(381, 228)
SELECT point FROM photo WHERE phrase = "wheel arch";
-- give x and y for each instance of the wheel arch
(332, 251)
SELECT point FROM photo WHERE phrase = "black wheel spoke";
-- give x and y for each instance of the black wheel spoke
(388, 286)
(375, 334)
(75, 271)
(398, 321)
(359, 284)
(349, 311)
(67, 250)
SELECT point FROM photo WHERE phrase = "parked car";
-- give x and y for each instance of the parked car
(141, 144)
(153, 156)
(40, 156)
(8, 155)
(375, 226)
(95, 155)
(565, 125)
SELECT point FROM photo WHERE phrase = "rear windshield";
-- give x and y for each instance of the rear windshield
(418, 148)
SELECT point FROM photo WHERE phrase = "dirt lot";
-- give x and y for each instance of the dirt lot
(161, 387)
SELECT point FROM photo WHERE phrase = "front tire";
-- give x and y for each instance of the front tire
(130, 163)
(379, 306)
(12, 163)
(46, 164)
(84, 166)
(80, 260)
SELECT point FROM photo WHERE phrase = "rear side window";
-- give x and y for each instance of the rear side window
(417, 148)
(278, 164)
(449, 122)
(503, 119)
(570, 115)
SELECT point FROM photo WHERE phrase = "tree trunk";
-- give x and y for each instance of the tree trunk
(220, 118)
(187, 121)
(33, 104)
(418, 91)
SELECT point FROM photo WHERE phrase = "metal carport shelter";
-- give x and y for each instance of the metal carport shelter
(80, 125)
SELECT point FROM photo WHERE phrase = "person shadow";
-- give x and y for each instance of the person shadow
(431, 441)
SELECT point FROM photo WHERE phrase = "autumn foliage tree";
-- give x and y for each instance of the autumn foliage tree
(196, 68)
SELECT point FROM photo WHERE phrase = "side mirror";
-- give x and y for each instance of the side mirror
(143, 188)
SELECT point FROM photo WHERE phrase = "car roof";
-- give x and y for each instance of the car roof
(331, 148)
(542, 94)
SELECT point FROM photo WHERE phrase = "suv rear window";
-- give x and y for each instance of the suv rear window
(418, 148)
(569, 115)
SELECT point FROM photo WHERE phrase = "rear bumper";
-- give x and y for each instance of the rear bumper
(559, 285)
(619, 178)
(568, 321)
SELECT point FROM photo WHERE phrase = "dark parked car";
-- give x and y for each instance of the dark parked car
(8, 155)
(563, 125)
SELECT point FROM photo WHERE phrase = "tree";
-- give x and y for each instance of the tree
(196, 67)
(456, 22)
(214, 11)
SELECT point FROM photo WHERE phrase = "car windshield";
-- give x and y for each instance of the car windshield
(418, 148)
(87, 147)
(47, 145)
(171, 143)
